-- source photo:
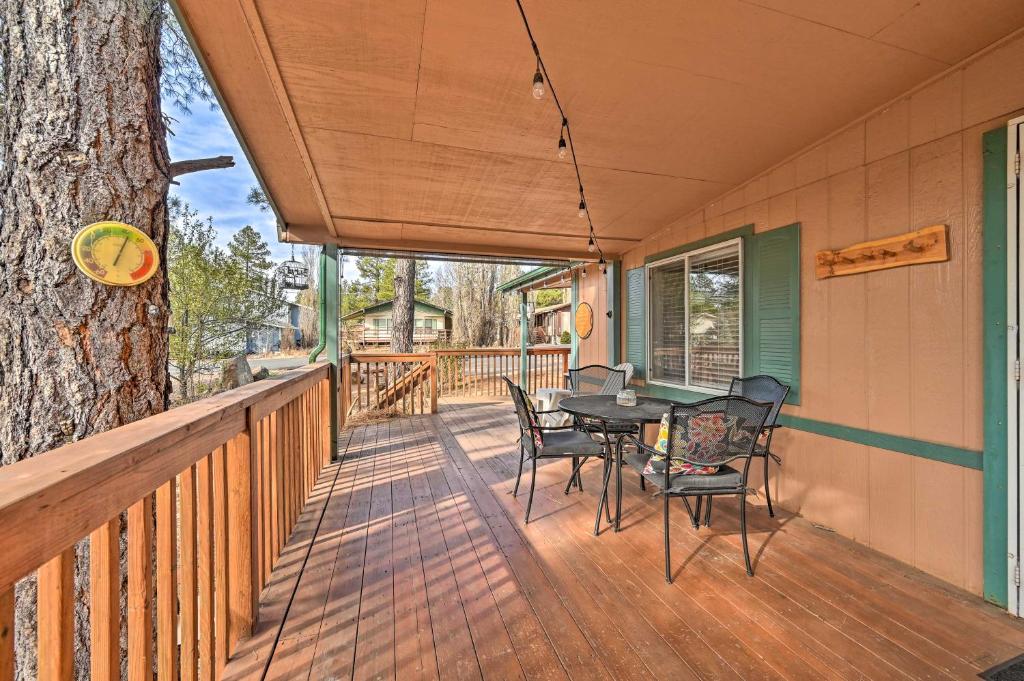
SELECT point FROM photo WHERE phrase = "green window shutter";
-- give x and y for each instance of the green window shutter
(772, 300)
(636, 320)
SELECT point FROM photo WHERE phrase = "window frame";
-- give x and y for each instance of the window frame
(686, 256)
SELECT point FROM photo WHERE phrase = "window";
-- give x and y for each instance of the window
(382, 323)
(695, 318)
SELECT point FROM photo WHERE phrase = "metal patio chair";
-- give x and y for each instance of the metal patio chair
(763, 389)
(596, 379)
(710, 433)
(538, 442)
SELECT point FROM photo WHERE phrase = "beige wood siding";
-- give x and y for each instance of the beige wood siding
(896, 351)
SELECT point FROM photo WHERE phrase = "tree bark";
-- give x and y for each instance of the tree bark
(81, 140)
(404, 307)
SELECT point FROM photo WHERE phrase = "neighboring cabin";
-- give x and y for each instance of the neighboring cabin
(283, 325)
(553, 320)
(372, 325)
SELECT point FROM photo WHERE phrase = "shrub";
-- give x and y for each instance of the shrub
(565, 339)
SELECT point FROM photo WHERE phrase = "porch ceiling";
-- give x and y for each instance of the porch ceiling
(409, 125)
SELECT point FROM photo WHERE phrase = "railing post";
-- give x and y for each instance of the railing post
(565, 367)
(433, 383)
(240, 534)
(7, 633)
(346, 390)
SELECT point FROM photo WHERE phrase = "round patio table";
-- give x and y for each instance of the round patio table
(604, 408)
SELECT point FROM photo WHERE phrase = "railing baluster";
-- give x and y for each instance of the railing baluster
(166, 581)
(56, 625)
(278, 426)
(140, 590)
(187, 590)
(240, 532)
(222, 587)
(7, 635)
(204, 519)
(104, 602)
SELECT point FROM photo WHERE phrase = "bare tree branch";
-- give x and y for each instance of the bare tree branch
(197, 164)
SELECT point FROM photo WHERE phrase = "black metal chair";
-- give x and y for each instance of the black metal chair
(710, 433)
(540, 442)
(596, 379)
(763, 389)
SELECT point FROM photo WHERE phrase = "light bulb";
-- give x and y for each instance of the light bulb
(583, 272)
(583, 208)
(538, 85)
(591, 246)
(563, 150)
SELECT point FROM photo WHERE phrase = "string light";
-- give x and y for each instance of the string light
(538, 83)
(565, 145)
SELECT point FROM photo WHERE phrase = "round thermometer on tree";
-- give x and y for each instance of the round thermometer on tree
(114, 253)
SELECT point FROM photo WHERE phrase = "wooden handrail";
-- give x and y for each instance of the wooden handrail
(51, 501)
(453, 371)
(229, 475)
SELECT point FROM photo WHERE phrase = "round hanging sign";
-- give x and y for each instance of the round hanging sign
(584, 320)
(115, 254)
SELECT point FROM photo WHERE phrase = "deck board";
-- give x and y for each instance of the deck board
(411, 561)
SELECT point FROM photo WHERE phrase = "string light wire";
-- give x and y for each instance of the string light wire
(542, 68)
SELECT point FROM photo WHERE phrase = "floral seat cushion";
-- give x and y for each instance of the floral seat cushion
(698, 437)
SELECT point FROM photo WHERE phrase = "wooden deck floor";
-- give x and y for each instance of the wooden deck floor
(412, 561)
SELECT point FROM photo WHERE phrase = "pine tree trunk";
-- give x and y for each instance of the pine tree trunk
(404, 308)
(81, 140)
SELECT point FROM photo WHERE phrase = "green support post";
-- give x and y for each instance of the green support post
(524, 342)
(614, 307)
(574, 348)
(329, 330)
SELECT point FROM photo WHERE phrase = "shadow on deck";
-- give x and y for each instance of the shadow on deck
(411, 560)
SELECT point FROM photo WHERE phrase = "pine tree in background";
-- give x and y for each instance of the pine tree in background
(251, 255)
(217, 297)
(403, 311)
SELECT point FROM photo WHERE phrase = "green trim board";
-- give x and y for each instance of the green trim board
(615, 308)
(995, 526)
(745, 230)
(957, 456)
(420, 306)
(527, 278)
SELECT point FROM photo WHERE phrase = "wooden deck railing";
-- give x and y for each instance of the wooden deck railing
(412, 383)
(371, 381)
(209, 493)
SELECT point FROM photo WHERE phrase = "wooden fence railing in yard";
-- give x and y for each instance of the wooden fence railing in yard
(412, 383)
(209, 492)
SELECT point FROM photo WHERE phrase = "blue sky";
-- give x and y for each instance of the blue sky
(220, 193)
